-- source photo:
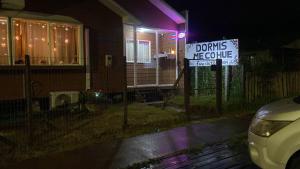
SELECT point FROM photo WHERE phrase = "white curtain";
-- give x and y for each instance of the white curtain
(129, 50)
(144, 52)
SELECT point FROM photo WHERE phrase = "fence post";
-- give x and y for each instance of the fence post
(28, 95)
(219, 86)
(125, 99)
(187, 86)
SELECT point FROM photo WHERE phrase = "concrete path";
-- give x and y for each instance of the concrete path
(117, 154)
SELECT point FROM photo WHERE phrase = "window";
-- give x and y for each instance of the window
(64, 43)
(130, 50)
(31, 37)
(144, 48)
(144, 55)
(4, 59)
(47, 43)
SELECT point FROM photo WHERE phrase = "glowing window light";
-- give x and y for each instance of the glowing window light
(143, 30)
(181, 35)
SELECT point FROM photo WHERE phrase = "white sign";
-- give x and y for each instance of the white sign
(205, 54)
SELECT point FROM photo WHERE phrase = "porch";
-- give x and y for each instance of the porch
(151, 56)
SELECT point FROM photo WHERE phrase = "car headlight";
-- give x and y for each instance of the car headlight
(266, 128)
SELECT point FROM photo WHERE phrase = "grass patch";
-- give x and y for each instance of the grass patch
(206, 105)
(105, 126)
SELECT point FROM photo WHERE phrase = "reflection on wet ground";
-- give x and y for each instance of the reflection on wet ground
(219, 156)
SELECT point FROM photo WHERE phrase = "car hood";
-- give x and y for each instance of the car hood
(282, 110)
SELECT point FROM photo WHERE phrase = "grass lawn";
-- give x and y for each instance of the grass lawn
(206, 105)
(102, 127)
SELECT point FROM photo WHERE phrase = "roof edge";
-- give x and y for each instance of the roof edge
(37, 16)
(115, 7)
(169, 11)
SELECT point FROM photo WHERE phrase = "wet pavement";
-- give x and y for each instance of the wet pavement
(142, 148)
(218, 156)
(120, 154)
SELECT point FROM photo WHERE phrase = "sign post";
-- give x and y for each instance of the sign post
(187, 84)
(219, 86)
(215, 54)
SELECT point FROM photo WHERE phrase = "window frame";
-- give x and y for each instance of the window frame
(80, 45)
(7, 41)
(138, 44)
(126, 40)
(149, 51)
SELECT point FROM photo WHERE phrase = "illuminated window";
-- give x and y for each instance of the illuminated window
(47, 43)
(64, 43)
(130, 50)
(144, 48)
(4, 59)
(144, 52)
(31, 37)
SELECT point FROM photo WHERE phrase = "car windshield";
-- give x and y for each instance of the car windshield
(297, 99)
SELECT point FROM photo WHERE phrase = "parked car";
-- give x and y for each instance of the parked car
(274, 135)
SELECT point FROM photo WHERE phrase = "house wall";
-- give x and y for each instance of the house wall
(45, 80)
(106, 37)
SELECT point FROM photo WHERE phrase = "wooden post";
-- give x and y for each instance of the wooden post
(28, 95)
(125, 99)
(187, 86)
(226, 83)
(219, 86)
(196, 81)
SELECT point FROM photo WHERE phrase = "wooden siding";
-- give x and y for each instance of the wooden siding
(44, 81)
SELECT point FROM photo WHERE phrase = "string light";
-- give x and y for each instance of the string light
(30, 45)
(172, 52)
(3, 45)
(17, 38)
(66, 29)
(54, 49)
(3, 38)
(43, 26)
(43, 39)
(66, 40)
(3, 23)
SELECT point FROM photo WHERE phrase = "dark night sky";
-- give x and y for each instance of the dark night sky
(258, 24)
